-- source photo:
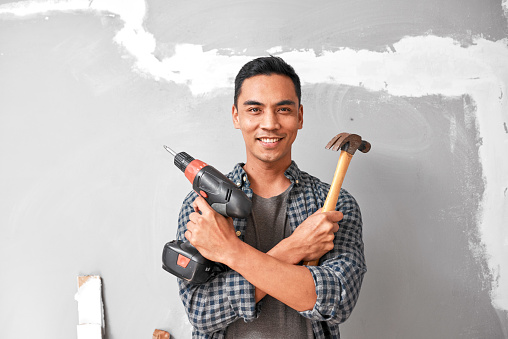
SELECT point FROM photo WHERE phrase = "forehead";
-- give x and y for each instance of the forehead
(274, 86)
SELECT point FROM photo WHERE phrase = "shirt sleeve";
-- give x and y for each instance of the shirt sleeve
(214, 305)
(339, 276)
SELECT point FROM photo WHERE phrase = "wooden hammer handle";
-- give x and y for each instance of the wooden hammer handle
(333, 193)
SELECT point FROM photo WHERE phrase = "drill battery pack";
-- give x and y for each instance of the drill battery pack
(185, 262)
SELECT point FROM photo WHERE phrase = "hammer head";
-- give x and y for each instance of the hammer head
(349, 143)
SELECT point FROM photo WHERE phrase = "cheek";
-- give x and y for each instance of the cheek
(246, 133)
(294, 124)
(247, 124)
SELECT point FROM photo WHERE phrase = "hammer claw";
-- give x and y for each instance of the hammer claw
(332, 142)
(336, 141)
(349, 143)
(336, 147)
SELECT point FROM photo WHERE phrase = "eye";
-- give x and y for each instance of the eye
(254, 110)
(284, 109)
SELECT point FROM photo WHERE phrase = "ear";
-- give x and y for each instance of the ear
(236, 120)
(300, 117)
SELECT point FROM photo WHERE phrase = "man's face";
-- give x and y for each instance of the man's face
(269, 117)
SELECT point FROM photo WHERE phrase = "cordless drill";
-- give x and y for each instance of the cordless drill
(182, 259)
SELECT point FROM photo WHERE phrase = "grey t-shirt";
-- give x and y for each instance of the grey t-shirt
(266, 227)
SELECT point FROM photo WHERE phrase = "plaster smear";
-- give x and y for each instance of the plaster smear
(415, 66)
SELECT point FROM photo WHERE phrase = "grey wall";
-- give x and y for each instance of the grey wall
(86, 187)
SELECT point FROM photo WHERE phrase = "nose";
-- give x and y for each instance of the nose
(270, 120)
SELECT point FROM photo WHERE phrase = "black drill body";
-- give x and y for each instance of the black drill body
(182, 259)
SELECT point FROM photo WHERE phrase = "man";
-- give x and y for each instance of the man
(267, 293)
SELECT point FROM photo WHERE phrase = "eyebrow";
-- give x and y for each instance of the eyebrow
(252, 103)
(286, 102)
(280, 103)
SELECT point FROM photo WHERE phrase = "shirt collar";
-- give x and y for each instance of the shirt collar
(239, 176)
(293, 173)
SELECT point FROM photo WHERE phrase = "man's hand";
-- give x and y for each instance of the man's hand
(211, 233)
(314, 237)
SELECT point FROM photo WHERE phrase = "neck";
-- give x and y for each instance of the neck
(267, 179)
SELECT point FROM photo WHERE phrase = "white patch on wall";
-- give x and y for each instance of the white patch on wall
(416, 66)
(90, 307)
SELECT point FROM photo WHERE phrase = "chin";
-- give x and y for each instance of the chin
(271, 158)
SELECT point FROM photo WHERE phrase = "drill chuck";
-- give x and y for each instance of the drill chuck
(182, 160)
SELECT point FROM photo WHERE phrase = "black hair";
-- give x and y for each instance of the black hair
(266, 66)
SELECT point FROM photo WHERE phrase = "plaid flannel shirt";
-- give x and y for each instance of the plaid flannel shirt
(212, 306)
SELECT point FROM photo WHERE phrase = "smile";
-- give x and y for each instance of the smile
(270, 140)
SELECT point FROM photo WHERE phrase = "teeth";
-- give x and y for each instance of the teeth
(270, 140)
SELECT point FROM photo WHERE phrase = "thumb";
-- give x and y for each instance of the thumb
(334, 216)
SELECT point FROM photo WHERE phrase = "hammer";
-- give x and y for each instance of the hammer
(348, 144)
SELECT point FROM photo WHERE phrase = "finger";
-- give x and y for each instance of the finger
(191, 226)
(201, 205)
(195, 206)
(188, 235)
(335, 227)
(193, 217)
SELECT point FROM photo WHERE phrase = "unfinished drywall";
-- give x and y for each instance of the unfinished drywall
(90, 90)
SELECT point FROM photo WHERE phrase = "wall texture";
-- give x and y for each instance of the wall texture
(90, 90)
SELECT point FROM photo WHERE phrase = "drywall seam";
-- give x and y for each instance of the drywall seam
(414, 66)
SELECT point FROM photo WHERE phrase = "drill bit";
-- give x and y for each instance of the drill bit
(173, 153)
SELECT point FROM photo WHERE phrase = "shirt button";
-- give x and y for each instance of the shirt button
(296, 181)
(238, 233)
(238, 184)
(244, 178)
